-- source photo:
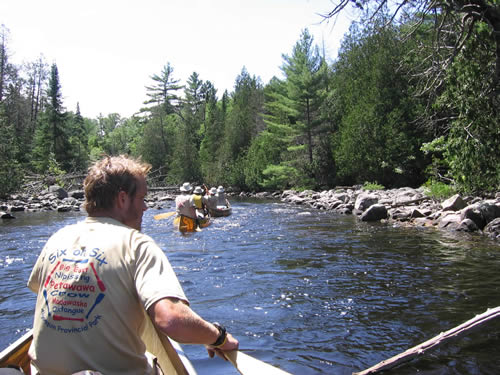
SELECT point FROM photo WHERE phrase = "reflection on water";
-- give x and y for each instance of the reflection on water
(306, 290)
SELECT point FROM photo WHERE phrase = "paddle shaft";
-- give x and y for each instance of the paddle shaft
(164, 215)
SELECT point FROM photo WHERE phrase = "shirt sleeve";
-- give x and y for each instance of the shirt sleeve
(154, 276)
(35, 279)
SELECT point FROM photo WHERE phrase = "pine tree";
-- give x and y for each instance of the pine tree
(51, 137)
(305, 83)
(212, 136)
(163, 92)
(186, 164)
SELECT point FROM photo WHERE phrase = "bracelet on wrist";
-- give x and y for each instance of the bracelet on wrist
(222, 338)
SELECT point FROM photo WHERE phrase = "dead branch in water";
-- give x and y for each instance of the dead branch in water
(443, 337)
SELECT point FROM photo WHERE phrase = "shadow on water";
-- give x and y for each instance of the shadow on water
(306, 290)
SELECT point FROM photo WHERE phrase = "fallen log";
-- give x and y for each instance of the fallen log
(443, 337)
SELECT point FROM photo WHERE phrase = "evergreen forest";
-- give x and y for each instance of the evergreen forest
(409, 100)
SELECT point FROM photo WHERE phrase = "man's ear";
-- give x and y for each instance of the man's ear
(121, 199)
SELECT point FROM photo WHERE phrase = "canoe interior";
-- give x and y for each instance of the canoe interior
(169, 353)
(17, 353)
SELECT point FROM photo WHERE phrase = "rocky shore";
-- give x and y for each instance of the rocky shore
(406, 206)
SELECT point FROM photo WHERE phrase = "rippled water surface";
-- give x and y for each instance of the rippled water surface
(308, 291)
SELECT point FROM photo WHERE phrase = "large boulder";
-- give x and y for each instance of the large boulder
(467, 225)
(449, 221)
(58, 191)
(364, 200)
(6, 215)
(492, 229)
(77, 194)
(481, 213)
(490, 210)
(454, 203)
(375, 212)
(402, 195)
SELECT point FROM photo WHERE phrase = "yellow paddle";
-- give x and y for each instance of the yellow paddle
(247, 365)
(164, 215)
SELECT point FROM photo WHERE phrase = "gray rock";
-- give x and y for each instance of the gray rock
(467, 225)
(490, 210)
(6, 215)
(296, 199)
(70, 201)
(343, 197)
(64, 208)
(415, 212)
(449, 221)
(375, 212)
(473, 213)
(363, 201)
(77, 194)
(454, 203)
(401, 215)
(288, 193)
(345, 210)
(492, 229)
(481, 213)
(58, 191)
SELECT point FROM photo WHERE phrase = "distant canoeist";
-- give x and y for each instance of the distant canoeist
(199, 204)
(221, 198)
(212, 199)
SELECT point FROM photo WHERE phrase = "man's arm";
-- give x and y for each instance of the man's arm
(176, 320)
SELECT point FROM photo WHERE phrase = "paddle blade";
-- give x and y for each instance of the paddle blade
(164, 215)
(247, 365)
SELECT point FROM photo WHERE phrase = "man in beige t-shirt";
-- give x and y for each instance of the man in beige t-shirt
(184, 203)
(95, 279)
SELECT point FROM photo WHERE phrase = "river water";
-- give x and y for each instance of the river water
(309, 291)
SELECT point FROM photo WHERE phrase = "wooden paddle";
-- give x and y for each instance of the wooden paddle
(164, 215)
(247, 365)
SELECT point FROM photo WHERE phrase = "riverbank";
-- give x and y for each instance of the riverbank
(407, 206)
(404, 206)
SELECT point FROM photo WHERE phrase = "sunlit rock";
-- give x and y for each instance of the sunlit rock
(454, 203)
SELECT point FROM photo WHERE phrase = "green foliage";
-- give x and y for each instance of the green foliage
(375, 108)
(163, 93)
(265, 150)
(52, 135)
(355, 121)
(278, 177)
(305, 83)
(10, 169)
(54, 168)
(471, 145)
(439, 166)
(213, 139)
(244, 120)
(438, 190)
(373, 186)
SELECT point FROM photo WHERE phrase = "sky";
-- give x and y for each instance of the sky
(107, 50)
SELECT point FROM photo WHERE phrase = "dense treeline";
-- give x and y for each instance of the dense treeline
(372, 115)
